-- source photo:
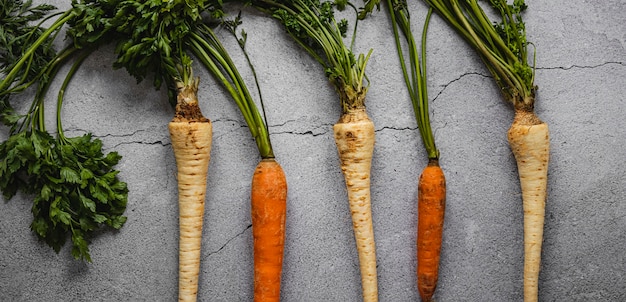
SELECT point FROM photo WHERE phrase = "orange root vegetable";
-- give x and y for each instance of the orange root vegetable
(269, 208)
(354, 136)
(431, 208)
(431, 198)
(530, 142)
(191, 136)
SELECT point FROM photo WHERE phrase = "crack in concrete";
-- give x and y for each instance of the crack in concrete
(226, 120)
(106, 135)
(159, 142)
(574, 66)
(307, 132)
(316, 129)
(229, 241)
(329, 127)
(300, 133)
(456, 80)
(283, 124)
(123, 135)
(396, 128)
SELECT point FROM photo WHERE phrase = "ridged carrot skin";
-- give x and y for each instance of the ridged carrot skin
(431, 209)
(529, 139)
(191, 136)
(354, 136)
(269, 209)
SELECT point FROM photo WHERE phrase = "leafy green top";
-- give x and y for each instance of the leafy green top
(153, 33)
(154, 36)
(312, 25)
(502, 46)
(91, 22)
(75, 186)
(17, 33)
(76, 190)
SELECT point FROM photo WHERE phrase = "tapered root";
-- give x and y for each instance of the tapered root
(431, 210)
(354, 136)
(269, 209)
(191, 142)
(530, 142)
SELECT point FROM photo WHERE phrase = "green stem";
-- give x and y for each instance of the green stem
(499, 54)
(215, 58)
(416, 81)
(220, 55)
(487, 54)
(433, 153)
(356, 24)
(509, 19)
(61, 94)
(35, 115)
(31, 58)
(4, 84)
(442, 9)
(405, 74)
(343, 70)
(310, 31)
(497, 44)
(258, 86)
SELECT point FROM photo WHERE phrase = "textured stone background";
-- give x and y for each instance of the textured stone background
(581, 72)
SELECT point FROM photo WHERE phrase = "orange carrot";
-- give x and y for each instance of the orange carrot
(431, 198)
(313, 26)
(191, 135)
(354, 136)
(269, 208)
(269, 184)
(529, 140)
(430, 207)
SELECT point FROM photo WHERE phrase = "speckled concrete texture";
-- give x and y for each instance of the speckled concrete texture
(581, 74)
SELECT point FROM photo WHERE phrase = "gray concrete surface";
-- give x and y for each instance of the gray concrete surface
(581, 72)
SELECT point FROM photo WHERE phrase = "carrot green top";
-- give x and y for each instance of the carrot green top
(502, 46)
(209, 50)
(415, 71)
(311, 23)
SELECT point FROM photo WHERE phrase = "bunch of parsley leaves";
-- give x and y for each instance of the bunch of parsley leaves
(75, 188)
